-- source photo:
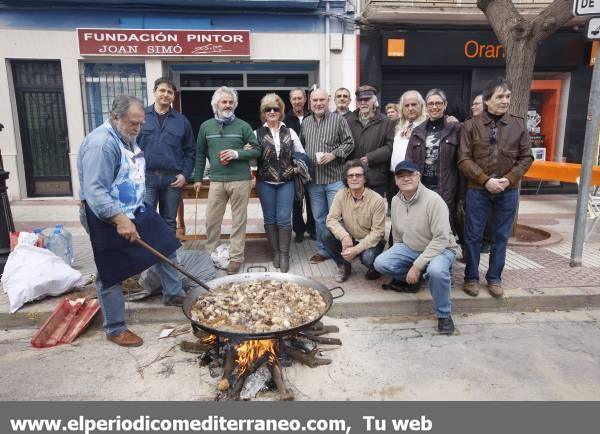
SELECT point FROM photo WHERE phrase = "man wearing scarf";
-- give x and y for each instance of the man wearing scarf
(112, 178)
(222, 141)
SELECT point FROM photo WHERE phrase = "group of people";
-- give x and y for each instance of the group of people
(344, 164)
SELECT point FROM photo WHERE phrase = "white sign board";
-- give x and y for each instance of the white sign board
(593, 28)
(586, 7)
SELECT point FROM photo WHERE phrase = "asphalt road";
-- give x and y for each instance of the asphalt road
(497, 356)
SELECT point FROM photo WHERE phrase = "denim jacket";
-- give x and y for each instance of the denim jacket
(98, 164)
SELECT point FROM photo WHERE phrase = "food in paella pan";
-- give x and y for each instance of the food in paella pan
(258, 307)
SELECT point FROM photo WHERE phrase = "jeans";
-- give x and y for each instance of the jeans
(503, 207)
(113, 305)
(276, 201)
(334, 248)
(159, 191)
(321, 198)
(397, 260)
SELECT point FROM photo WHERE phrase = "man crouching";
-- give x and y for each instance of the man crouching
(355, 223)
(423, 241)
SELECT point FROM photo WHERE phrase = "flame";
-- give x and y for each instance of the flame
(250, 351)
(209, 340)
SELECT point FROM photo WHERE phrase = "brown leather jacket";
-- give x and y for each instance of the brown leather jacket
(480, 160)
(448, 171)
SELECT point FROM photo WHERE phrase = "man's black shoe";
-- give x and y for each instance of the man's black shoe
(372, 274)
(413, 287)
(312, 235)
(299, 237)
(394, 285)
(401, 286)
(445, 326)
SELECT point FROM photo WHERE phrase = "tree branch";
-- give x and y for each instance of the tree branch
(551, 19)
(503, 16)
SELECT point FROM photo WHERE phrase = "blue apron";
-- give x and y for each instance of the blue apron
(115, 257)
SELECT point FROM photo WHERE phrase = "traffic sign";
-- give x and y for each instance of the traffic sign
(593, 28)
(586, 7)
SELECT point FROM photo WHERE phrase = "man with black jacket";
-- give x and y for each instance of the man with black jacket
(373, 135)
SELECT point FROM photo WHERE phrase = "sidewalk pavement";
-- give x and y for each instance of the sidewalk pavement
(535, 278)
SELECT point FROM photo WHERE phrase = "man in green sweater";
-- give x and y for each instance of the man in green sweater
(222, 141)
(423, 242)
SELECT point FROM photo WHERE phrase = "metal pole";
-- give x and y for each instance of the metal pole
(591, 141)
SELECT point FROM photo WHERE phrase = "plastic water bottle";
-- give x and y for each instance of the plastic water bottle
(69, 238)
(58, 243)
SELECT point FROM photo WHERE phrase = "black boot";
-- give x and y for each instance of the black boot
(285, 236)
(273, 237)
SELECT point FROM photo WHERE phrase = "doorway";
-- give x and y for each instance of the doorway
(43, 125)
(195, 104)
(197, 83)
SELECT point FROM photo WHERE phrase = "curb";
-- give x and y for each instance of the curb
(420, 304)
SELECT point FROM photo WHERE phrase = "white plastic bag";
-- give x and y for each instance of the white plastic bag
(27, 238)
(31, 273)
(220, 256)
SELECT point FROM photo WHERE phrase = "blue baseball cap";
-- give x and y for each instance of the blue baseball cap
(406, 166)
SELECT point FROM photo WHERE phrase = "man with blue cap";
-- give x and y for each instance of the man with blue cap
(424, 247)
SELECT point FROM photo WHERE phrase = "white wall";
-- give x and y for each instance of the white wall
(62, 45)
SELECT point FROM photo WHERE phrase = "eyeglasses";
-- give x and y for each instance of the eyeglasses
(355, 175)
(435, 103)
(271, 109)
(493, 135)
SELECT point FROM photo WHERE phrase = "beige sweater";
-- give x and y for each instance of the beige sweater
(363, 219)
(422, 224)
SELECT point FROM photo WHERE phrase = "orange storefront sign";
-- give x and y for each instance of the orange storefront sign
(395, 48)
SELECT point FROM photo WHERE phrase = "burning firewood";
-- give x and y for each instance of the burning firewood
(237, 362)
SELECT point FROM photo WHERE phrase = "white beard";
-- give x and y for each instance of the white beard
(225, 114)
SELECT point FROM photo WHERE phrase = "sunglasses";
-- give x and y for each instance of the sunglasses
(271, 109)
(355, 175)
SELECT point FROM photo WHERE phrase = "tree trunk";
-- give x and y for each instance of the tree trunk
(521, 39)
(519, 73)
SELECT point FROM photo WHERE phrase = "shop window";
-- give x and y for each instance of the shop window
(279, 80)
(102, 82)
(212, 80)
(542, 117)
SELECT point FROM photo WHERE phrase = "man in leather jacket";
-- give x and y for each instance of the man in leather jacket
(494, 154)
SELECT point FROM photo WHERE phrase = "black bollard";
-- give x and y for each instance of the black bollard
(6, 221)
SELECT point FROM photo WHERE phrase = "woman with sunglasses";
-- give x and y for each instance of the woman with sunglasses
(275, 177)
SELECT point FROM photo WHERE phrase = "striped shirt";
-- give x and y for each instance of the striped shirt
(331, 134)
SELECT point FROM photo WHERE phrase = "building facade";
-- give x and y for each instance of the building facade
(423, 44)
(61, 67)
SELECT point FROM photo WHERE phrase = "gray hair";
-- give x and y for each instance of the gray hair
(219, 94)
(122, 103)
(438, 92)
(402, 121)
